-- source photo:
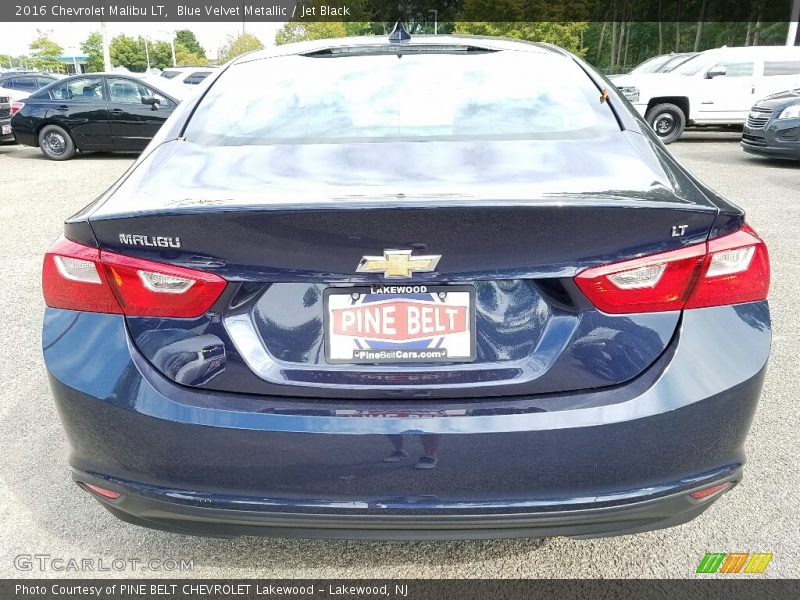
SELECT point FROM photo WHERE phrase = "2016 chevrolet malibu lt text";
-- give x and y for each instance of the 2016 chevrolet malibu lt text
(429, 288)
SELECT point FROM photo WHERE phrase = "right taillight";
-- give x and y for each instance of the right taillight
(16, 107)
(78, 277)
(735, 270)
(728, 270)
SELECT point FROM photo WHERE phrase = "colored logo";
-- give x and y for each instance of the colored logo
(734, 562)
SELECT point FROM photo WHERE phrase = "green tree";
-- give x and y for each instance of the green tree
(234, 47)
(45, 53)
(92, 46)
(160, 54)
(185, 58)
(567, 35)
(536, 22)
(128, 52)
(20, 61)
(187, 39)
(298, 32)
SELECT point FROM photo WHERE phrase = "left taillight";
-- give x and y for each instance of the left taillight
(729, 270)
(78, 277)
(16, 107)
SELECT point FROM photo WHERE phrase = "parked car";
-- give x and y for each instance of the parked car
(6, 134)
(773, 126)
(187, 75)
(18, 85)
(659, 64)
(92, 112)
(716, 87)
(416, 298)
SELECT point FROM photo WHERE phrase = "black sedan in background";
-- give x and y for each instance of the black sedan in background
(92, 112)
(5, 120)
(773, 126)
(20, 84)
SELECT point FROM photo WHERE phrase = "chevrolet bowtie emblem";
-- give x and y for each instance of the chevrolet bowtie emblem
(398, 264)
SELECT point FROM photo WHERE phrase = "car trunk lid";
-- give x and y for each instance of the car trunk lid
(512, 221)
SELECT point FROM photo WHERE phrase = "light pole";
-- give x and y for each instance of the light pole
(171, 36)
(147, 54)
(106, 52)
(435, 20)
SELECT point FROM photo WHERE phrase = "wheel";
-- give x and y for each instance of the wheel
(55, 143)
(667, 120)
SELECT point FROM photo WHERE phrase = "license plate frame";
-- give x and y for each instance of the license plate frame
(6, 130)
(334, 355)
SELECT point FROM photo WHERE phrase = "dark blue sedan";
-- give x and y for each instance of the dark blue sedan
(432, 288)
(773, 126)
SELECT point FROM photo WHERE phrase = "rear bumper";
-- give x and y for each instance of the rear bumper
(8, 137)
(25, 138)
(23, 132)
(791, 153)
(601, 462)
(181, 512)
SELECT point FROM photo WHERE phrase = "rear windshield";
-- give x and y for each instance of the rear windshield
(692, 66)
(494, 95)
(675, 62)
(197, 77)
(652, 65)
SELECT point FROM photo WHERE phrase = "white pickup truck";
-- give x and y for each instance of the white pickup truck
(716, 87)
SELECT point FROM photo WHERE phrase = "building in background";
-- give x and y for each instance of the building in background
(74, 60)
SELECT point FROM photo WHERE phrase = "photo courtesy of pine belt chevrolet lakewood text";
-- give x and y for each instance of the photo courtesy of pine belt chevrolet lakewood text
(406, 292)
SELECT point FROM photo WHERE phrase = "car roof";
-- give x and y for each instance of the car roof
(138, 76)
(753, 51)
(375, 41)
(187, 69)
(28, 73)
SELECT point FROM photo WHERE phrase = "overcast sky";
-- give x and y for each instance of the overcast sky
(15, 38)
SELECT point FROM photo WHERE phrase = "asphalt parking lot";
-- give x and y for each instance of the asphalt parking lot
(42, 512)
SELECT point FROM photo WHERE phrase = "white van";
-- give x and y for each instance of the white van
(716, 87)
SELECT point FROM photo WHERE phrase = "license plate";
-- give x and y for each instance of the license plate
(400, 324)
(6, 129)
